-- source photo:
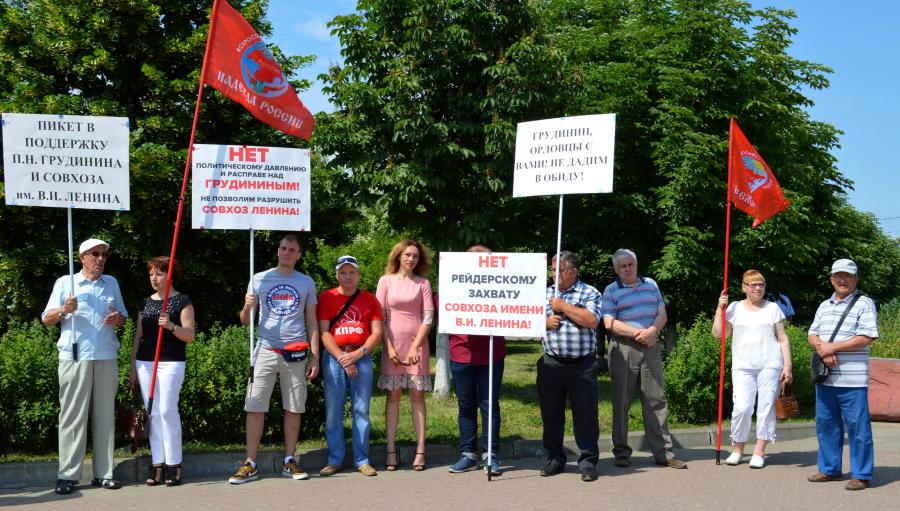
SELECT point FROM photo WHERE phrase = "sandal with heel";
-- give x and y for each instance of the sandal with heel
(419, 467)
(173, 475)
(156, 474)
(391, 467)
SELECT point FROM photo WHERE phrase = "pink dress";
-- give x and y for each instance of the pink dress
(404, 300)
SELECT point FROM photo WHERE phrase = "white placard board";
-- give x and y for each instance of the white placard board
(244, 187)
(565, 155)
(58, 161)
(492, 294)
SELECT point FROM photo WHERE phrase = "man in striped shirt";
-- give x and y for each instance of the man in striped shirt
(634, 313)
(843, 398)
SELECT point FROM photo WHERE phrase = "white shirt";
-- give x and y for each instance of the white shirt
(753, 341)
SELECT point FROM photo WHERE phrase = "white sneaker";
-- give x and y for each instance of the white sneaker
(757, 461)
(734, 459)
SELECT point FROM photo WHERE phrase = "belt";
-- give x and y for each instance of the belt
(349, 348)
(572, 360)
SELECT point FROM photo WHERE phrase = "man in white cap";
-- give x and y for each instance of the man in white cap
(88, 369)
(842, 399)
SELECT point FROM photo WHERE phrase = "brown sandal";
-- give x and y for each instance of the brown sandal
(419, 467)
(391, 467)
(156, 474)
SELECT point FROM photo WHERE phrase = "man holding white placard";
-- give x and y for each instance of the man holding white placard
(569, 367)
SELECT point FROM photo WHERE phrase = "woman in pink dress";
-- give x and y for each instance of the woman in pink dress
(405, 294)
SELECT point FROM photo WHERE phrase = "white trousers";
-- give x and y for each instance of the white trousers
(165, 421)
(749, 385)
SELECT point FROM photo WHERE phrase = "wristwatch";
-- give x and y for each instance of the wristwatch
(364, 350)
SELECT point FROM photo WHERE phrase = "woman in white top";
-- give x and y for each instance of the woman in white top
(760, 359)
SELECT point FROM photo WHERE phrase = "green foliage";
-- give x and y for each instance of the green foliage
(211, 402)
(692, 374)
(888, 345)
(427, 100)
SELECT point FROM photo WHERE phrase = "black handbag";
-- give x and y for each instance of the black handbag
(819, 371)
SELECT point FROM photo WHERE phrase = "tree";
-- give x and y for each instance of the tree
(139, 59)
(427, 102)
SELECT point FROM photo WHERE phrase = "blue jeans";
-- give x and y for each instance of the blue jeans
(336, 383)
(835, 407)
(471, 383)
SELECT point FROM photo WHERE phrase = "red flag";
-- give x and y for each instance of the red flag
(752, 187)
(242, 67)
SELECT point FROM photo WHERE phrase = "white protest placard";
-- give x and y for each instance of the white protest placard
(565, 155)
(492, 294)
(59, 161)
(244, 187)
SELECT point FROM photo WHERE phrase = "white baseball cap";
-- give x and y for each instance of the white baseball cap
(87, 245)
(844, 265)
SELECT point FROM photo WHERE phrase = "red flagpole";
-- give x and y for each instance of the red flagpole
(184, 181)
(724, 288)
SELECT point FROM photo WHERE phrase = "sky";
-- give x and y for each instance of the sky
(858, 40)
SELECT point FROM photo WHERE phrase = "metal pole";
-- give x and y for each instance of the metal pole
(71, 284)
(724, 288)
(558, 245)
(252, 310)
(490, 424)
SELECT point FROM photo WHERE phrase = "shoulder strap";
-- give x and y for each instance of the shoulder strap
(346, 306)
(843, 316)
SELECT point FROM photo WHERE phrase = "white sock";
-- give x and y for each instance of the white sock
(287, 459)
(251, 462)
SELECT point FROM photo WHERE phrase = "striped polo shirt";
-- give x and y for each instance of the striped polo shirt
(636, 304)
(852, 369)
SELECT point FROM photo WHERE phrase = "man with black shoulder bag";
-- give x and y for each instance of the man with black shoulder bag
(288, 350)
(352, 323)
(850, 322)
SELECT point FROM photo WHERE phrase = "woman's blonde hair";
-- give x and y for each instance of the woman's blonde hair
(751, 275)
(393, 264)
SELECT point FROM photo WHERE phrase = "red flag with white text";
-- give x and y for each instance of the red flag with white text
(754, 189)
(241, 67)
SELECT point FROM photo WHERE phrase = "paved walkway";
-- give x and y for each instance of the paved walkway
(704, 486)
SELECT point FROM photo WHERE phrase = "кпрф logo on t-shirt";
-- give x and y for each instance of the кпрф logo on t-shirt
(283, 300)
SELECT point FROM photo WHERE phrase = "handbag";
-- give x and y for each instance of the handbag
(818, 370)
(133, 422)
(786, 405)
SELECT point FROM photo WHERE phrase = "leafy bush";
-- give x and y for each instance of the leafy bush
(888, 344)
(212, 397)
(692, 374)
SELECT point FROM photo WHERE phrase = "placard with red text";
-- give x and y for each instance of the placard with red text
(492, 294)
(243, 187)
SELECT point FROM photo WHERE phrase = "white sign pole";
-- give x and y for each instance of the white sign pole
(252, 310)
(558, 246)
(490, 424)
(71, 285)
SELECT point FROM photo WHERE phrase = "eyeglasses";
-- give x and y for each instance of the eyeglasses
(755, 284)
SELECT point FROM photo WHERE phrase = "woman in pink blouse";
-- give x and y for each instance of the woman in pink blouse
(405, 294)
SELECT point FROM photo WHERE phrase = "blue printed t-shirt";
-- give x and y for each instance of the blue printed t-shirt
(282, 303)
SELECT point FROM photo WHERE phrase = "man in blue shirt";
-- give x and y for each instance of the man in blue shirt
(634, 313)
(88, 368)
(569, 367)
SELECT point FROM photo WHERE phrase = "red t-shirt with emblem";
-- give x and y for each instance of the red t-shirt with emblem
(355, 325)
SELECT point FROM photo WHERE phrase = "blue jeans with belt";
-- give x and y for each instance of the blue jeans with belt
(336, 383)
(471, 383)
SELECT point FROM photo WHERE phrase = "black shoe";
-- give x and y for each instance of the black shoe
(64, 486)
(622, 462)
(552, 468)
(588, 474)
(109, 484)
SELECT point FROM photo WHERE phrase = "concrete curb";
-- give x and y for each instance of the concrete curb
(221, 465)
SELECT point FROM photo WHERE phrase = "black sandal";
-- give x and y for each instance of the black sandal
(173, 475)
(391, 467)
(419, 467)
(156, 474)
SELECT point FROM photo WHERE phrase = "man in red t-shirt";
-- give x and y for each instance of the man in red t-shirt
(351, 322)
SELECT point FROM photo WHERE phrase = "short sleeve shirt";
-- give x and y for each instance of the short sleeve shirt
(635, 304)
(572, 340)
(282, 306)
(852, 369)
(355, 325)
(753, 341)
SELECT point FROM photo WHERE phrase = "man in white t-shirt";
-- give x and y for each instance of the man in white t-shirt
(287, 329)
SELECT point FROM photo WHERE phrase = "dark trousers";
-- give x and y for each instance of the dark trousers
(471, 383)
(576, 379)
